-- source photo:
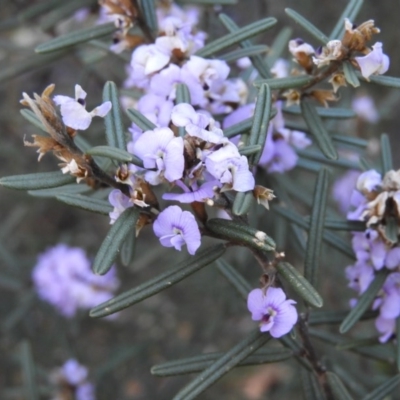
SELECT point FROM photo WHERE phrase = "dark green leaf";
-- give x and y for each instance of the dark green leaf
(210, 2)
(344, 225)
(308, 26)
(285, 83)
(36, 10)
(299, 284)
(140, 120)
(350, 74)
(363, 302)
(391, 228)
(311, 388)
(315, 233)
(339, 390)
(386, 154)
(32, 118)
(249, 150)
(115, 131)
(318, 317)
(42, 180)
(239, 128)
(384, 389)
(223, 365)
(86, 203)
(128, 248)
(76, 37)
(335, 113)
(279, 45)
(317, 156)
(245, 52)
(236, 37)
(73, 188)
(149, 13)
(350, 12)
(318, 130)
(242, 203)
(182, 93)
(29, 372)
(159, 283)
(358, 342)
(297, 349)
(115, 154)
(112, 244)
(382, 80)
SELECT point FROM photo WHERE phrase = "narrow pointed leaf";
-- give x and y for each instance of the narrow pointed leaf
(318, 317)
(76, 37)
(140, 120)
(236, 37)
(384, 389)
(386, 154)
(318, 130)
(308, 26)
(128, 249)
(112, 244)
(344, 225)
(350, 74)
(36, 10)
(239, 128)
(66, 189)
(279, 45)
(363, 302)
(311, 387)
(242, 203)
(285, 83)
(334, 113)
(289, 342)
(115, 131)
(315, 233)
(149, 13)
(223, 365)
(389, 81)
(257, 61)
(245, 52)
(86, 203)
(317, 156)
(299, 284)
(350, 12)
(339, 390)
(363, 342)
(182, 93)
(212, 2)
(115, 154)
(29, 372)
(32, 118)
(249, 150)
(159, 283)
(41, 180)
(391, 228)
(203, 361)
(235, 278)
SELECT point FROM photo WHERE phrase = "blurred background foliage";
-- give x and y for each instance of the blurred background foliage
(201, 314)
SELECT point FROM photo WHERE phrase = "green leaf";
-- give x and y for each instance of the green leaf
(315, 233)
(42, 180)
(358, 342)
(350, 12)
(299, 284)
(344, 225)
(335, 113)
(140, 120)
(317, 156)
(242, 203)
(279, 45)
(363, 302)
(318, 130)
(238, 232)
(386, 154)
(384, 389)
(318, 317)
(236, 37)
(37, 10)
(350, 74)
(285, 83)
(223, 365)
(311, 388)
(115, 154)
(203, 361)
(339, 390)
(160, 282)
(25, 302)
(66, 189)
(350, 141)
(149, 12)
(182, 93)
(112, 244)
(249, 150)
(32, 118)
(76, 37)
(257, 61)
(86, 203)
(245, 52)
(128, 249)
(29, 372)
(235, 278)
(209, 2)
(115, 131)
(239, 128)
(308, 26)
(382, 80)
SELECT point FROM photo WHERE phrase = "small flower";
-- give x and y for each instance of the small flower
(277, 315)
(73, 112)
(333, 50)
(365, 108)
(374, 63)
(175, 228)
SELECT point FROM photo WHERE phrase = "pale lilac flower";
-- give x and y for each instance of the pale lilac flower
(175, 228)
(120, 202)
(374, 63)
(73, 372)
(386, 327)
(297, 46)
(360, 275)
(276, 314)
(369, 247)
(390, 305)
(195, 193)
(342, 189)
(365, 108)
(73, 111)
(63, 277)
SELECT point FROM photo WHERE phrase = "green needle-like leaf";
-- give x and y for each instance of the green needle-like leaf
(235, 278)
(140, 120)
(149, 13)
(386, 154)
(245, 52)
(384, 389)
(334, 113)
(212, 2)
(66, 189)
(311, 388)
(350, 74)
(182, 96)
(112, 244)
(242, 203)
(339, 390)
(86, 203)
(115, 131)
(308, 26)
(159, 283)
(344, 225)
(318, 130)
(76, 37)
(203, 361)
(285, 83)
(42, 180)
(317, 156)
(249, 150)
(279, 45)
(389, 81)
(315, 233)
(115, 154)
(299, 284)
(32, 118)
(363, 302)
(223, 365)
(29, 373)
(128, 249)
(350, 12)
(239, 128)
(318, 317)
(236, 37)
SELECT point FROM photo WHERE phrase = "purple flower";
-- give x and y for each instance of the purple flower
(73, 372)
(277, 315)
(342, 189)
(374, 63)
(73, 111)
(360, 275)
(386, 327)
(369, 248)
(195, 193)
(175, 228)
(365, 108)
(120, 202)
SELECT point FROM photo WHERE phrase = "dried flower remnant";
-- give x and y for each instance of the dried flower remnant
(332, 51)
(302, 53)
(276, 314)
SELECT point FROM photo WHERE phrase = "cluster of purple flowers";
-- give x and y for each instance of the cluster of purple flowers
(71, 381)
(376, 200)
(63, 277)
